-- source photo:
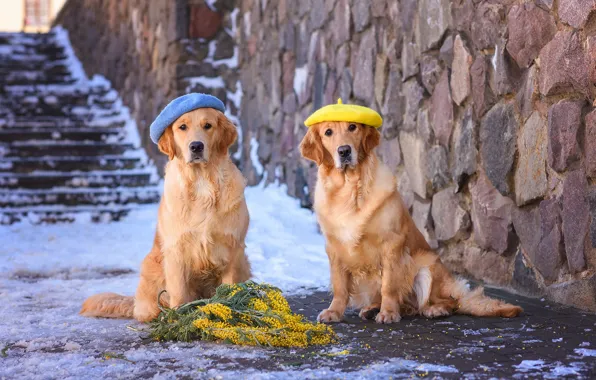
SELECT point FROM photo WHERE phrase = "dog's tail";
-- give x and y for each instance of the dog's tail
(108, 305)
(476, 303)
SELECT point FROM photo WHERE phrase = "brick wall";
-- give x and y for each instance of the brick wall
(488, 121)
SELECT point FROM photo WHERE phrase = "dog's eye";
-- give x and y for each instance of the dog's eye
(207, 126)
(328, 132)
(352, 127)
(182, 127)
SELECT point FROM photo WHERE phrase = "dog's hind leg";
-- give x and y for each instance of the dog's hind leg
(152, 281)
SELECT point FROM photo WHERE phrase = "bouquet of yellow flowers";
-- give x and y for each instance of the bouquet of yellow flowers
(246, 314)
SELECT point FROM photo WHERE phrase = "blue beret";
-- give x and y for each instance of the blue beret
(179, 107)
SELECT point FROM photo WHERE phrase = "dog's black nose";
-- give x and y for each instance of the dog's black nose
(197, 147)
(344, 151)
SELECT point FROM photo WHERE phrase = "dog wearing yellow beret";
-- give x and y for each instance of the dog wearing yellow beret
(202, 218)
(379, 260)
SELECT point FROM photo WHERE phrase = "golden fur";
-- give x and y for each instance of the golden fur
(379, 260)
(201, 227)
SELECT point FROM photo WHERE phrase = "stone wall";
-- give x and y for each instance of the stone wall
(488, 121)
(153, 51)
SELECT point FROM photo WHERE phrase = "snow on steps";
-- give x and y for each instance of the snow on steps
(80, 163)
(69, 149)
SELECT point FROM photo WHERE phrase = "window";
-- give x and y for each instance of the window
(37, 15)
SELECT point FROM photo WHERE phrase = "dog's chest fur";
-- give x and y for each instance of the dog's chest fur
(353, 216)
(193, 214)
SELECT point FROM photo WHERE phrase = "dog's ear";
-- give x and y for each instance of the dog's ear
(371, 139)
(227, 133)
(311, 146)
(166, 143)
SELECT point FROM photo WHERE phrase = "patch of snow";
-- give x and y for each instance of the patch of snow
(283, 244)
(539, 368)
(6, 165)
(211, 4)
(585, 352)
(300, 77)
(247, 25)
(562, 370)
(207, 82)
(254, 157)
(236, 97)
(30, 100)
(5, 50)
(386, 370)
(234, 20)
(99, 81)
(530, 365)
(73, 64)
(231, 62)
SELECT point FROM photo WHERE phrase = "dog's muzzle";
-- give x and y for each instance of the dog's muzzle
(196, 150)
(345, 154)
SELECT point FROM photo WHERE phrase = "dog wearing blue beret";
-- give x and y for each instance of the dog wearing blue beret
(202, 219)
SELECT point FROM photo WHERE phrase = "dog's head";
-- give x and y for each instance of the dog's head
(197, 136)
(339, 144)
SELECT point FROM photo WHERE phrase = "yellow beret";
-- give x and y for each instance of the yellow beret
(345, 112)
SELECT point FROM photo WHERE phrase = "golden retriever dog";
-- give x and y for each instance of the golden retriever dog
(202, 222)
(379, 260)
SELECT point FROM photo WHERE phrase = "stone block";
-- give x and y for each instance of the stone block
(460, 74)
(465, 153)
(530, 28)
(564, 120)
(530, 175)
(450, 219)
(498, 134)
(414, 154)
(441, 112)
(491, 215)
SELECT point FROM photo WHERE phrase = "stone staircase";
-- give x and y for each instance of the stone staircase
(68, 147)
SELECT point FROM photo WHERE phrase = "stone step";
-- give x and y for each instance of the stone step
(14, 100)
(33, 78)
(62, 148)
(71, 134)
(63, 214)
(8, 38)
(59, 122)
(32, 108)
(81, 163)
(28, 68)
(93, 179)
(66, 93)
(74, 197)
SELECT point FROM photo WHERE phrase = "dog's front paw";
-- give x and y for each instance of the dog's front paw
(387, 317)
(329, 316)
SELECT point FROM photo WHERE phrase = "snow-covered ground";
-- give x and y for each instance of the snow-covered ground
(46, 271)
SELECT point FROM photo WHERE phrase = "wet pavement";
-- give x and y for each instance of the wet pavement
(547, 340)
